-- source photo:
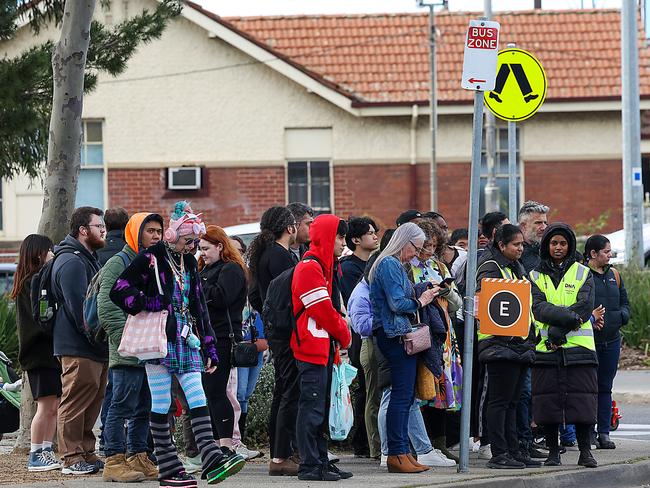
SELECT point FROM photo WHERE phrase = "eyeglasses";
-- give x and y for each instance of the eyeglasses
(192, 242)
(417, 249)
(99, 226)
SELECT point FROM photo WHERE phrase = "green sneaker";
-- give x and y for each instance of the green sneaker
(229, 465)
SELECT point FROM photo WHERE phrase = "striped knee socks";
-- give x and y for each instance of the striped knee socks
(168, 462)
(211, 454)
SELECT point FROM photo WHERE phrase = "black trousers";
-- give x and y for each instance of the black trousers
(583, 436)
(215, 385)
(312, 410)
(505, 380)
(284, 408)
(359, 434)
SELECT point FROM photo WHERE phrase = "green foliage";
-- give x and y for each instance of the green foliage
(259, 408)
(8, 332)
(594, 225)
(637, 283)
(26, 80)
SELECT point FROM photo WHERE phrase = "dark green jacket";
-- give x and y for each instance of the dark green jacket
(111, 317)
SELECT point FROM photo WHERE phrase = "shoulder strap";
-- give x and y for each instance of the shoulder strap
(486, 262)
(155, 267)
(617, 276)
(125, 258)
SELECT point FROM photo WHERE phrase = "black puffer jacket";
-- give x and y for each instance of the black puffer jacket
(502, 348)
(224, 286)
(562, 320)
(617, 306)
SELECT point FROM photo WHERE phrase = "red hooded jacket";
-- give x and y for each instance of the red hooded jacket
(312, 290)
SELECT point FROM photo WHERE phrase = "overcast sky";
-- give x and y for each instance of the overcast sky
(295, 7)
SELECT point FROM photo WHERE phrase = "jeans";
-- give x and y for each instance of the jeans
(417, 430)
(312, 407)
(524, 412)
(608, 355)
(246, 381)
(402, 377)
(567, 433)
(131, 401)
(505, 380)
(108, 394)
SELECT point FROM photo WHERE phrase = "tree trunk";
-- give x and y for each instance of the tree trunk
(27, 412)
(64, 148)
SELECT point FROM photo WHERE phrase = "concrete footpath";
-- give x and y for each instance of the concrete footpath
(626, 466)
(632, 386)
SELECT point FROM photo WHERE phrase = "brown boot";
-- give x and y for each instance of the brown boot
(116, 469)
(401, 464)
(140, 462)
(415, 463)
(285, 468)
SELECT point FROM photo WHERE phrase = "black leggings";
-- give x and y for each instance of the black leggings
(583, 435)
(215, 386)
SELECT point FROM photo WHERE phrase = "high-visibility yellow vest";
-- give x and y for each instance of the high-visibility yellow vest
(565, 295)
(506, 274)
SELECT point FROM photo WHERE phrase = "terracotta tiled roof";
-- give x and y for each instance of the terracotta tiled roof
(384, 58)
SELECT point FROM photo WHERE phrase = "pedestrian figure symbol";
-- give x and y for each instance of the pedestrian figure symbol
(520, 86)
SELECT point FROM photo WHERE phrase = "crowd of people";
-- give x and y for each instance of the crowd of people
(348, 294)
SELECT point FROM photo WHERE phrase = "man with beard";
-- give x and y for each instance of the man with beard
(533, 222)
(84, 365)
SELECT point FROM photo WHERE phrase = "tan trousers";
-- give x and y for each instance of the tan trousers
(84, 385)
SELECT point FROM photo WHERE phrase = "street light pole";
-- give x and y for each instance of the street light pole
(433, 100)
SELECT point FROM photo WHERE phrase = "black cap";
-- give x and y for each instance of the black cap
(408, 216)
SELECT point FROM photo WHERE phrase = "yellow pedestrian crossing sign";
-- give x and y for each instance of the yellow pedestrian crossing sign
(520, 87)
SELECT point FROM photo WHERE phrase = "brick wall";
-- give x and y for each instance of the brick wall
(240, 195)
(577, 191)
(229, 196)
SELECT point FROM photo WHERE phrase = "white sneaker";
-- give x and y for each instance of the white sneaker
(192, 464)
(247, 453)
(435, 458)
(442, 454)
(332, 458)
(484, 452)
(384, 461)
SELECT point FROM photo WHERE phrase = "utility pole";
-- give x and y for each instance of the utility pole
(631, 122)
(433, 99)
(491, 191)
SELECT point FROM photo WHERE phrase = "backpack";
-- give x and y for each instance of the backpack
(92, 328)
(277, 312)
(44, 304)
(617, 276)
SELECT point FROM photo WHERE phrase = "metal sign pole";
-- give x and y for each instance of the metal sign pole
(468, 350)
(512, 171)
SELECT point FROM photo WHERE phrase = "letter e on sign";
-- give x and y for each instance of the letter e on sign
(504, 307)
(481, 51)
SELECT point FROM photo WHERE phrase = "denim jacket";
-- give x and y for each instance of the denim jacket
(392, 297)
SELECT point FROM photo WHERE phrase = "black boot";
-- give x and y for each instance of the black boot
(604, 442)
(586, 459)
(523, 457)
(553, 458)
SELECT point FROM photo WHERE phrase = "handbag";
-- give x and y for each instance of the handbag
(418, 340)
(144, 335)
(242, 354)
(425, 382)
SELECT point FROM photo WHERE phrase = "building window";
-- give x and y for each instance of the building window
(501, 162)
(309, 182)
(90, 189)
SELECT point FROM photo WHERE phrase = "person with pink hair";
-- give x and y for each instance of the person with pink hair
(191, 344)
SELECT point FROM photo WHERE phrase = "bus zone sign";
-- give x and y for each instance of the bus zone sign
(481, 51)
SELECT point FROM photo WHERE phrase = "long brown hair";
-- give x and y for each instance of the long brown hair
(31, 259)
(229, 254)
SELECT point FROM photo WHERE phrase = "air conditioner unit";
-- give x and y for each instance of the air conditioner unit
(184, 178)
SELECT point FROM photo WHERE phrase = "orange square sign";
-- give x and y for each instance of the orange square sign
(504, 307)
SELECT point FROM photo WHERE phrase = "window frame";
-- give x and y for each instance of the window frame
(308, 162)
